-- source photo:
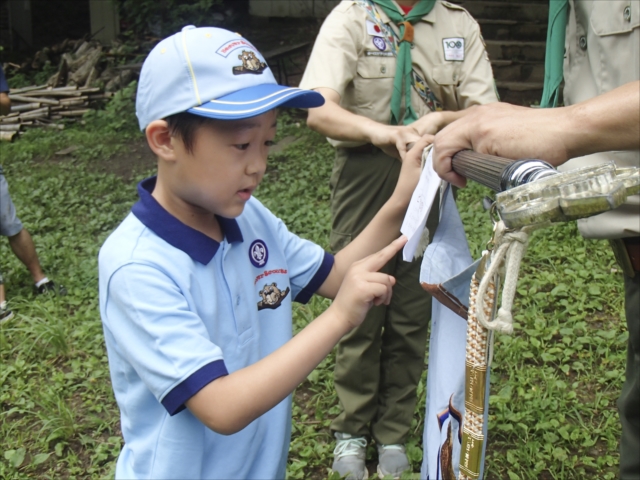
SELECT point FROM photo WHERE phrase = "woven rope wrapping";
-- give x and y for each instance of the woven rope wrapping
(509, 248)
(477, 355)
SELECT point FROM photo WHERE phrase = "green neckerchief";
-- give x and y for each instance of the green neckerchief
(402, 80)
(554, 57)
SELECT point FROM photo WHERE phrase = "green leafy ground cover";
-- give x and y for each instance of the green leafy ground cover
(554, 382)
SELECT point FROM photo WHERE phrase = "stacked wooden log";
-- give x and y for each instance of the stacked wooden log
(43, 106)
(86, 76)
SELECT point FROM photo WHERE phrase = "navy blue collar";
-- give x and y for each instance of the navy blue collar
(192, 242)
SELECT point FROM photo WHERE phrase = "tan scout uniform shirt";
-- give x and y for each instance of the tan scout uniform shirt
(346, 59)
(603, 52)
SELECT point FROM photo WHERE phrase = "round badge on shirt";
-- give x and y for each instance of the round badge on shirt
(379, 43)
(258, 253)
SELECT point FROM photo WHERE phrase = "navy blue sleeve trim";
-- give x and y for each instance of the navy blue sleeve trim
(174, 400)
(318, 279)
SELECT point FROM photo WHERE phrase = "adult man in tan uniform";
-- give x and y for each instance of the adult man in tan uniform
(603, 52)
(378, 366)
(601, 73)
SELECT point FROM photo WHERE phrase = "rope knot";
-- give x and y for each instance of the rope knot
(516, 236)
(510, 248)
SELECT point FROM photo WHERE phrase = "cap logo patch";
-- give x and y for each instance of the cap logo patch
(379, 43)
(232, 45)
(258, 253)
(250, 64)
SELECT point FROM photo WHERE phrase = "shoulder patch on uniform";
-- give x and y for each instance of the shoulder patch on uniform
(452, 6)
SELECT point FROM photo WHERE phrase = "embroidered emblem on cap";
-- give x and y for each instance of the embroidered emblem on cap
(379, 43)
(453, 49)
(272, 296)
(250, 64)
(258, 253)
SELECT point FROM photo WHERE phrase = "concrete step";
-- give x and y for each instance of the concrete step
(517, 71)
(529, 12)
(493, 29)
(516, 50)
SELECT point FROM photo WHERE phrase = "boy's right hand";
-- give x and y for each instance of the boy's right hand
(364, 286)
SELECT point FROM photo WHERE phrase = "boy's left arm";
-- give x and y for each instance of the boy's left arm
(384, 227)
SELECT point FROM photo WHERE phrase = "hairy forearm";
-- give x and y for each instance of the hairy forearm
(230, 403)
(608, 122)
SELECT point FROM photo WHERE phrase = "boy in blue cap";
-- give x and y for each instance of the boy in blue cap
(196, 284)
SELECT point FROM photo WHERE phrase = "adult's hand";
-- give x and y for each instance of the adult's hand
(610, 121)
(393, 140)
(338, 123)
(504, 130)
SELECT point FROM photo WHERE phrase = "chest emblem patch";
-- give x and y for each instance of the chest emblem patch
(372, 28)
(272, 296)
(250, 64)
(379, 43)
(453, 49)
(258, 253)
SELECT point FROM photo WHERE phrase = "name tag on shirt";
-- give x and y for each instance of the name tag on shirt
(453, 49)
(376, 53)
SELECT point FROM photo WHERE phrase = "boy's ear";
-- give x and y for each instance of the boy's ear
(159, 140)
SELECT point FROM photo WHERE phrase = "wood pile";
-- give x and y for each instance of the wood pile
(44, 106)
(86, 76)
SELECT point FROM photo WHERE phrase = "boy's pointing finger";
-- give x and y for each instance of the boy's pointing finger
(378, 260)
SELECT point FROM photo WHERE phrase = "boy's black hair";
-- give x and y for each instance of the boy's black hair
(184, 126)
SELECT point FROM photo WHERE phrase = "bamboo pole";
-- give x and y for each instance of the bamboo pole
(20, 98)
(53, 93)
(74, 101)
(7, 136)
(24, 107)
(9, 120)
(74, 113)
(26, 89)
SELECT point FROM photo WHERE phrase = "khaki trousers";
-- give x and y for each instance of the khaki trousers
(379, 364)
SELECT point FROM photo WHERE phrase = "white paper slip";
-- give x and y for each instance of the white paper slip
(419, 208)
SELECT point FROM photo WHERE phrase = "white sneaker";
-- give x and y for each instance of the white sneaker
(5, 313)
(349, 456)
(392, 460)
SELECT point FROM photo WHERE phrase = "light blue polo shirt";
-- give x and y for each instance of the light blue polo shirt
(180, 310)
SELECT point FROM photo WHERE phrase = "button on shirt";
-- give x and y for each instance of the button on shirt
(180, 310)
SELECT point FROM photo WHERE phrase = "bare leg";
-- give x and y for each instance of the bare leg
(2, 298)
(22, 245)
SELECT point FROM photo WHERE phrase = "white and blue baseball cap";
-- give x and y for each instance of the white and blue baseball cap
(214, 73)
